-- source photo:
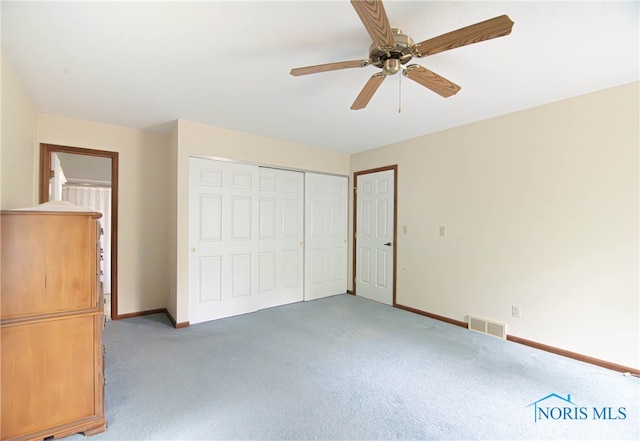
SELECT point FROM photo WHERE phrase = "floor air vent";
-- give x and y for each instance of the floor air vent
(489, 327)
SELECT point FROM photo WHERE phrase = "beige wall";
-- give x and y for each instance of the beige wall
(18, 182)
(201, 139)
(142, 203)
(172, 222)
(541, 211)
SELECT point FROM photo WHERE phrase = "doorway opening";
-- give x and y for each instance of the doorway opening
(375, 226)
(91, 176)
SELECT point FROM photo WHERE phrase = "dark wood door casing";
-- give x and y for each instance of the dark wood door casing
(45, 167)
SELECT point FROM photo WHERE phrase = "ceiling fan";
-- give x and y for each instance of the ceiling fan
(391, 50)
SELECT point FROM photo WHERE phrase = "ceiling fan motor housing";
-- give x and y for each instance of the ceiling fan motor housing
(386, 59)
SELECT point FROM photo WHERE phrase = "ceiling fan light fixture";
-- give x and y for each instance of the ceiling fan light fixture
(391, 66)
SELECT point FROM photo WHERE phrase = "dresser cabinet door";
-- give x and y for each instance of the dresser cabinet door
(48, 264)
(49, 374)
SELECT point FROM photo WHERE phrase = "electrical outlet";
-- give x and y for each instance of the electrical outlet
(443, 231)
(515, 311)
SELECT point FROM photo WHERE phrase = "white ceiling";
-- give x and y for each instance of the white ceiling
(94, 169)
(144, 64)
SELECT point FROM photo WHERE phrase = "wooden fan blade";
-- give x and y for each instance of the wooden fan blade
(328, 67)
(374, 18)
(485, 30)
(367, 91)
(431, 80)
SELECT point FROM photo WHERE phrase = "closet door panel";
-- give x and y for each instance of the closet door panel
(223, 239)
(281, 239)
(326, 235)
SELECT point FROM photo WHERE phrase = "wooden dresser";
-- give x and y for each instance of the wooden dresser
(51, 323)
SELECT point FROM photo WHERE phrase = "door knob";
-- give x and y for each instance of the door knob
(388, 244)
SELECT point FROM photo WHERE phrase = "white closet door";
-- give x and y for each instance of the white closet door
(223, 239)
(326, 199)
(281, 236)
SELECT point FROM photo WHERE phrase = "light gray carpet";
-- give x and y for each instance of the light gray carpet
(341, 368)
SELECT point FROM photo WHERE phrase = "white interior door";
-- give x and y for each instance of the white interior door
(375, 235)
(325, 235)
(223, 233)
(281, 236)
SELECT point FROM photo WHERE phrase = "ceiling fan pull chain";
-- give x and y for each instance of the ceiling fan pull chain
(399, 93)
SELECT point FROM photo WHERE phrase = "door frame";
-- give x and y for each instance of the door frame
(45, 167)
(394, 168)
